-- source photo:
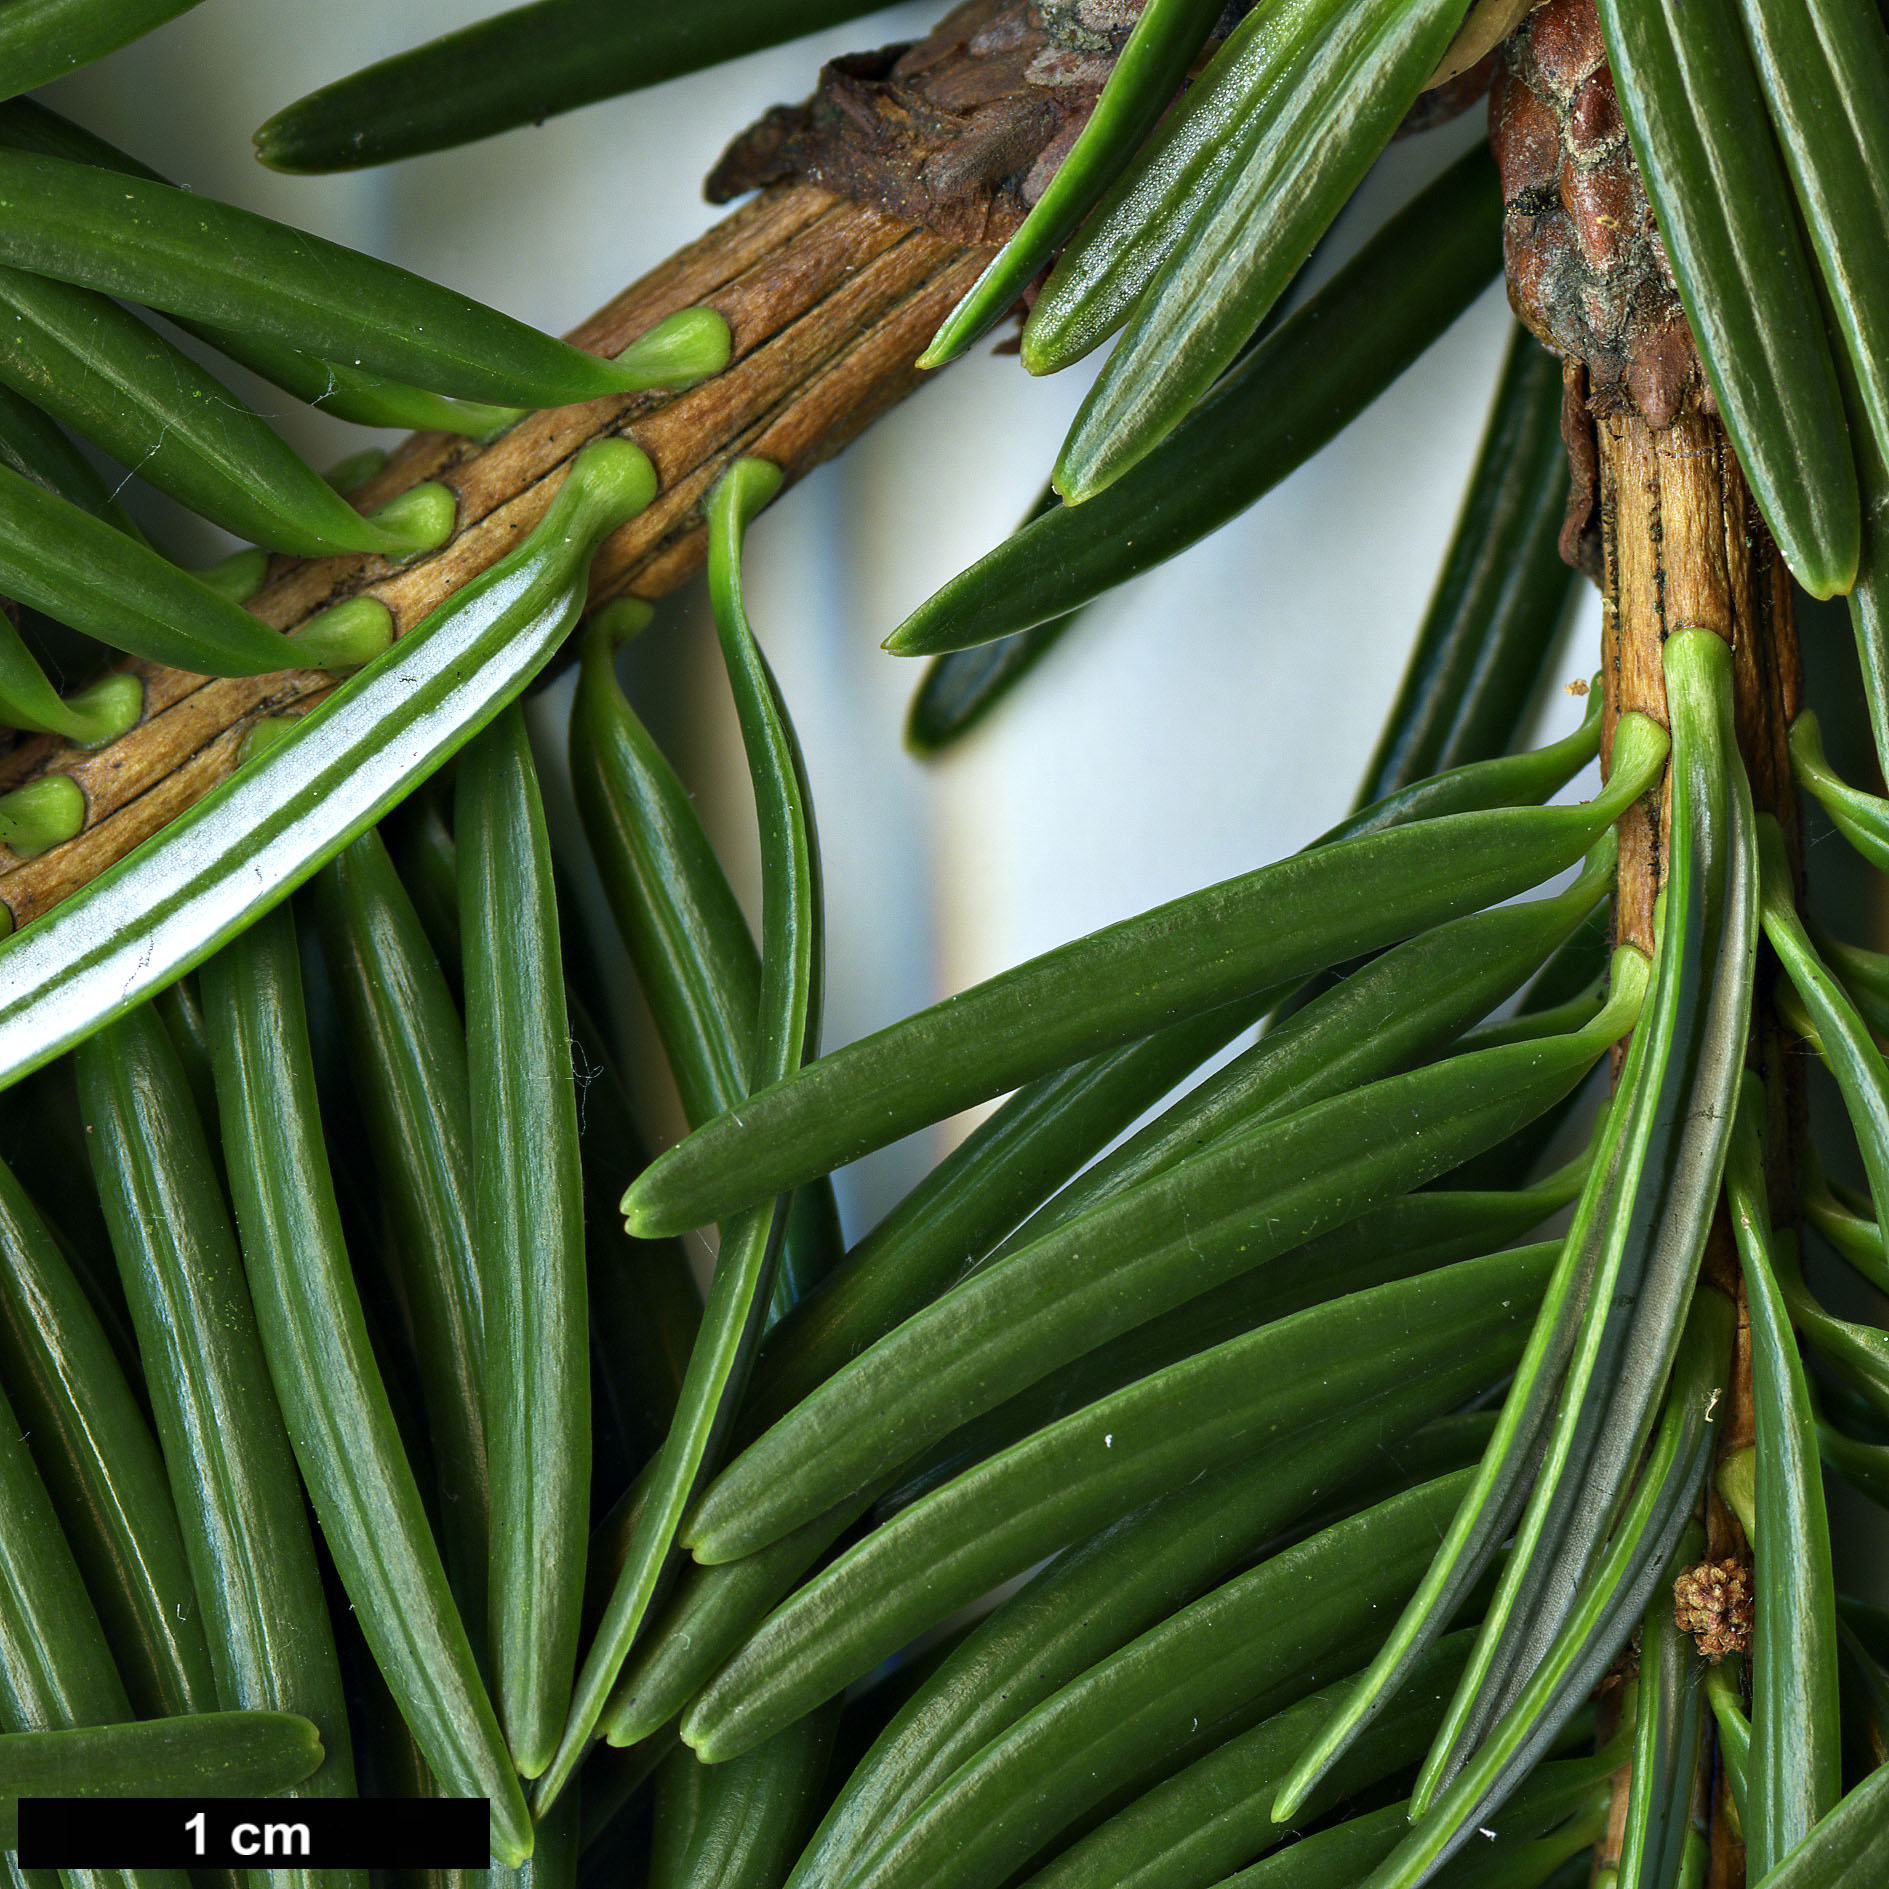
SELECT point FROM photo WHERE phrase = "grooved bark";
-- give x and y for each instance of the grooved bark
(1683, 548)
(830, 304)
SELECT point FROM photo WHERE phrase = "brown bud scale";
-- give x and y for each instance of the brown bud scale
(1588, 274)
(1712, 1602)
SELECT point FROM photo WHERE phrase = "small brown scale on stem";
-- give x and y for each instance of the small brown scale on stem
(1661, 517)
(1712, 1602)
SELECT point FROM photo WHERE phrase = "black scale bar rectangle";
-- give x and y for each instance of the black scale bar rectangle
(233, 1832)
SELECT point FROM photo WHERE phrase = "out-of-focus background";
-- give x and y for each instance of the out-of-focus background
(1209, 717)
